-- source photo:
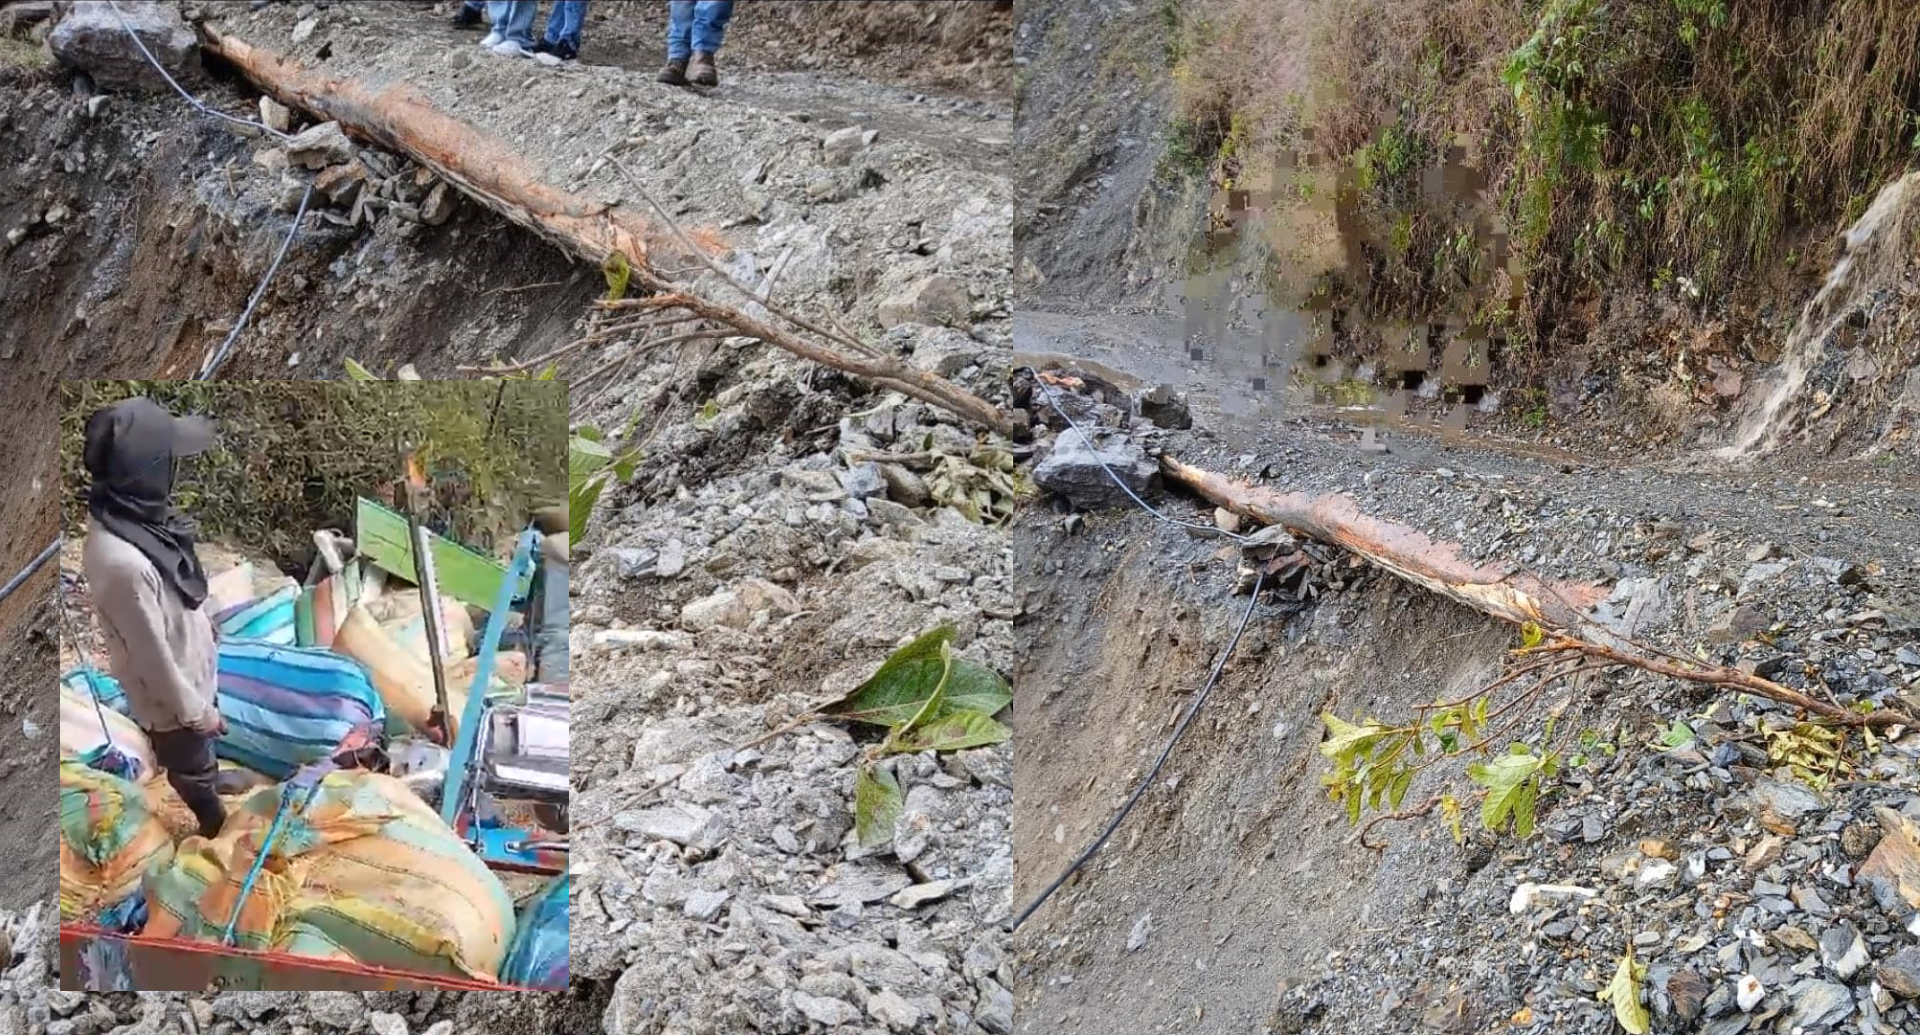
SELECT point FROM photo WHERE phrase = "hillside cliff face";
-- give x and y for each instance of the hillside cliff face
(1627, 207)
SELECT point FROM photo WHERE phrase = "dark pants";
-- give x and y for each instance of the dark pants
(188, 759)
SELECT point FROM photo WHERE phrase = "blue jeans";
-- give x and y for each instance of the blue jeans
(476, 6)
(513, 19)
(563, 22)
(701, 24)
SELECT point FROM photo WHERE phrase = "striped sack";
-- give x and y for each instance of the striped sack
(230, 589)
(323, 606)
(270, 618)
(538, 957)
(80, 730)
(287, 706)
(366, 872)
(109, 839)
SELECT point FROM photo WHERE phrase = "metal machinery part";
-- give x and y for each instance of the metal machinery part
(523, 748)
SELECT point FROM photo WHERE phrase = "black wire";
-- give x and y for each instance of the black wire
(1186, 720)
(1047, 390)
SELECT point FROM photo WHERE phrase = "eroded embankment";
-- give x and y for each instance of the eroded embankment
(1235, 874)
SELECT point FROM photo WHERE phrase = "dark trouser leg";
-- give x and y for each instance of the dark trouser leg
(188, 759)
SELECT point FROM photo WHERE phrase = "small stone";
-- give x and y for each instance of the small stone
(641, 639)
(1762, 552)
(341, 1010)
(202, 1012)
(921, 894)
(317, 147)
(1688, 990)
(438, 206)
(1657, 873)
(275, 116)
(1142, 929)
(834, 1013)
(303, 29)
(666, 823)
(1817, 1002)
(887, 1007)
(1843, 950)
(673, 559)
(1226, 520)
(1748, 991)
(387, 1024)
(705, 906)
(96, 105)
(1900, 972)
(863, 481)
(1739, 624)
(842, 144)
(791, 905)
(937, 300)
(724, 608)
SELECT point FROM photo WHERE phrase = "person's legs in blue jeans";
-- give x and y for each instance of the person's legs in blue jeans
(563, 22)
(710, 19)
(709, 27)
(562, 37)
(512, 22)
(679, 30)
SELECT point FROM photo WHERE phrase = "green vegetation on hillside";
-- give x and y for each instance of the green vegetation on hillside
(1633, 142)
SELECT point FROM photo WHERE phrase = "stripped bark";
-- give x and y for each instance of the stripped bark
(401, 118)
(1562, 610)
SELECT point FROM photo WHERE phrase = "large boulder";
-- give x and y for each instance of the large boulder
(92, 38)
(1077, 470)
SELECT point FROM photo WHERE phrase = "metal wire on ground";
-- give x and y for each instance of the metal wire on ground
(1095, 450)
(181, 90)
(27, 572)
(219, 356)
(1193, 709)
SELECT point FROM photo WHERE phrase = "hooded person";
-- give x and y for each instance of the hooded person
(148, 587)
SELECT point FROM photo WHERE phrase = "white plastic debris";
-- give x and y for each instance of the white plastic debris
(1526, 896)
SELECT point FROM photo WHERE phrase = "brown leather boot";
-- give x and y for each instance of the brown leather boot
(675, 74)
(701, 71)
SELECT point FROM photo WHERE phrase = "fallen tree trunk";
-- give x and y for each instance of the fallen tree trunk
(401, 118)
(1562, 610)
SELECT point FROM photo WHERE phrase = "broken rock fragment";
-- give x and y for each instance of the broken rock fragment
(92, 39)
(317, 147)
(1077, 470)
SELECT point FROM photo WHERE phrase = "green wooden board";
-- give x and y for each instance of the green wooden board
(465, 575)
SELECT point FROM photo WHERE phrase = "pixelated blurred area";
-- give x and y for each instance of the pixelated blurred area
(1278, 342)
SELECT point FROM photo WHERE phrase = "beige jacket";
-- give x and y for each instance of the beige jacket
(162, 653)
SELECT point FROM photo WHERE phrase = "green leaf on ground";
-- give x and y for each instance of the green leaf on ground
(877, 802)
(1344, 736)
(1624, 992)
(617, 272)
(896, 692)
(1512, 782)
(954, 731)
(356, 372)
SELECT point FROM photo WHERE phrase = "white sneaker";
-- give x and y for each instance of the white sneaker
(493, 40)
(511, 48)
